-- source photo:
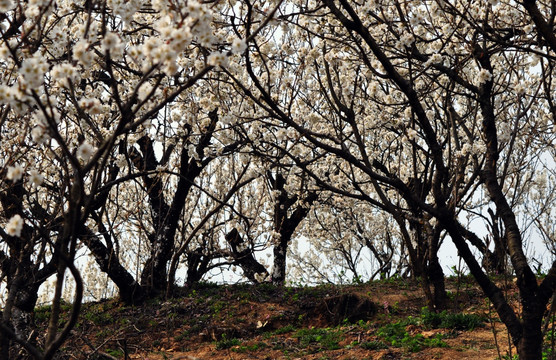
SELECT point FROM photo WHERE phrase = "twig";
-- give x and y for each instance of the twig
(493, 329)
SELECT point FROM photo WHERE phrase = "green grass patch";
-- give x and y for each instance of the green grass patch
(284, 330)
(117, 353)
(396, 334)
(446, 320)
(226, 343)
(324, 339)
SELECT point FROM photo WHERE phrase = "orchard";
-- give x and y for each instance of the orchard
(150, 145)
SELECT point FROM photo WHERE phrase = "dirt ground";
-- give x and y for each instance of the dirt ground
(380, 320)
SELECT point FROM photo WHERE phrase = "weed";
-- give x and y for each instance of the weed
(217, 307)
(326, 339)
(98, 317)
(183, 336)
(374, 345)
(508, 357)
(104, 333)
(265, 291)
(284, 330)
(117, 353)
(42, 313)
(205, 285)
(447, 320)
(396, 335)
(226, 343)
(548, 348)
(365, 325)
(193, 294)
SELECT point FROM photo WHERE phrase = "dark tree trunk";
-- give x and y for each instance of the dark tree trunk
(129, 290)
(527, 335)
(24, 302)
(154, 276)
(165, 217)
(22, 274)
(426, 266)
(529, 346)
(279, 268)
(197, 266)
(244, 258)
(525, 332)
(285, 226)
(436, 277)
(21, 315)
(434, 270)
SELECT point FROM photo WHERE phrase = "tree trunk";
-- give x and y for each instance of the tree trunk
(244, 258)
(279, 268)
(166, 216)
(436, 277)
(529, 339)
(24, 329)
(130, 291)
(197, 266)
(155, 275)
(434, 270)
(529, 346)
(285, 226)
(20, 317)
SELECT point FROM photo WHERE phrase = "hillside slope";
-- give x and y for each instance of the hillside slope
(380, 320)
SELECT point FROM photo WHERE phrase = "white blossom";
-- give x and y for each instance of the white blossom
(217, 59)
(35, 178)
(15, 173)
(32, 71)
(85, 151)
(14, 226)
(82, 53)
(484, 76)
(7, 5)
(238, 46)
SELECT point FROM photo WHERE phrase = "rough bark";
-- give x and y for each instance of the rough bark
(544, 28)
(529, 340)
(23, 274)
(285, 225)
(129, 290)
(244, 258)
(197, 266)
(165, 217)
(434, 270)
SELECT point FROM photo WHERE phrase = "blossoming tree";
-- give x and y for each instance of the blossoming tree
(157, 134)
(429, 105)
(89, 93)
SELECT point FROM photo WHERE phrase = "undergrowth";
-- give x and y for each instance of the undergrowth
(446, 320)
(324, 339)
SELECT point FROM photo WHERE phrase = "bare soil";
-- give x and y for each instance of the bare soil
(265, 322)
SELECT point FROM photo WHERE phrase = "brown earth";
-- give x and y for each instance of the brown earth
(265, 322)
